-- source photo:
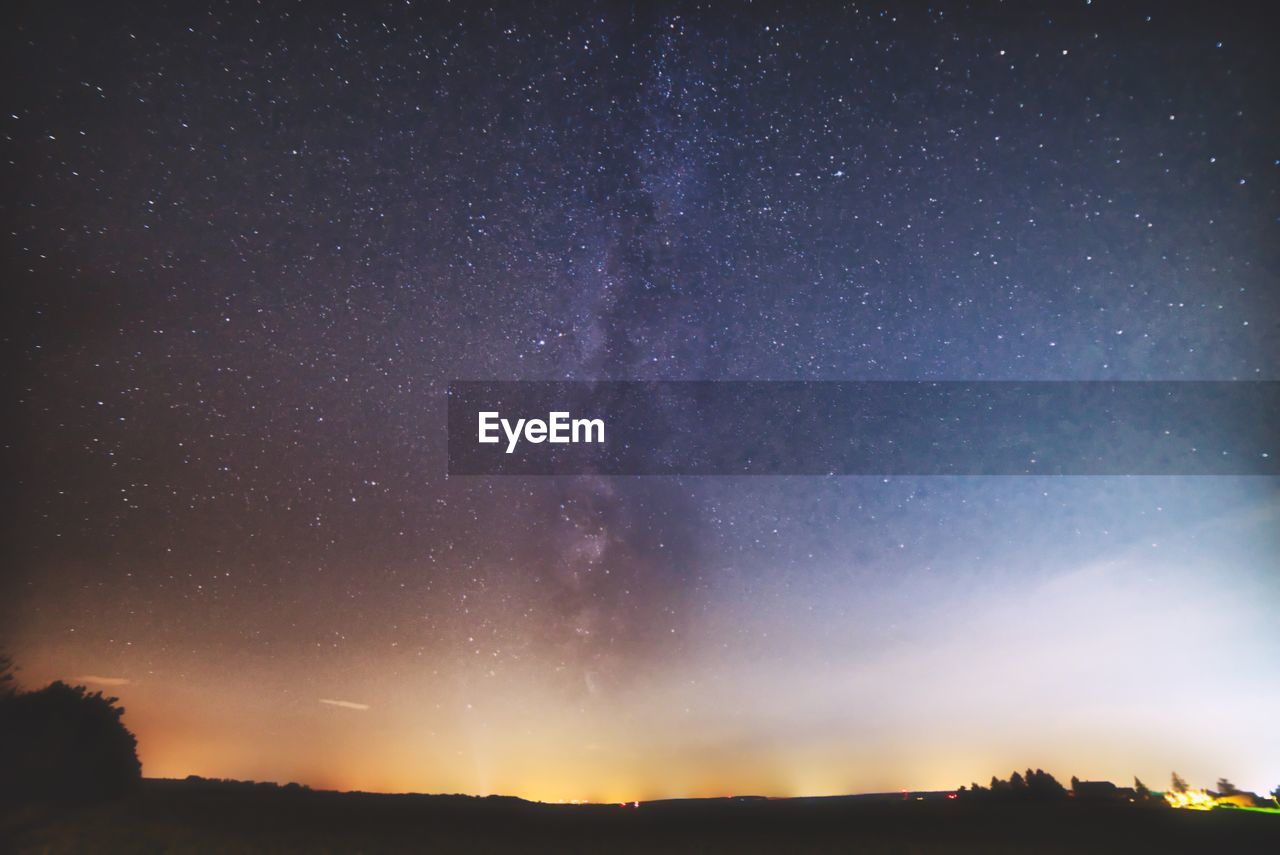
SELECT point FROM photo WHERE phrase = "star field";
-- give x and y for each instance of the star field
(248, 245)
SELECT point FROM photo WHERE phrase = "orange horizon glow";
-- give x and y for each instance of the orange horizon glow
(937, 715)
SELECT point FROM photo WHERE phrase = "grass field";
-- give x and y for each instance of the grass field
(177, 817)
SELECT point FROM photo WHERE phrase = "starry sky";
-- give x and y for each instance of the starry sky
(248, 245)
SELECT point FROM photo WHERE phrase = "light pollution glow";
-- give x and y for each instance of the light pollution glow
(1104, 670)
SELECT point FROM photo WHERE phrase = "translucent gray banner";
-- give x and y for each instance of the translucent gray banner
(864, 428)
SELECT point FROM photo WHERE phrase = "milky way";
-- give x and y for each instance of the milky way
(248, 246)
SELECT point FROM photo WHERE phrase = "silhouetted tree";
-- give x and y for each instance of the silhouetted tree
(61, 743)
(1177, 784)
(1226, 788)
(8, 685)
(1035, 785)
(1140, 788)
(1075, 783)
(1041, 786)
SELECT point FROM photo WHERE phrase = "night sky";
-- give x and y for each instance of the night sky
(247, 246)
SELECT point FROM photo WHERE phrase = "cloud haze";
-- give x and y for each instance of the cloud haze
(94, 680)
(346, 705)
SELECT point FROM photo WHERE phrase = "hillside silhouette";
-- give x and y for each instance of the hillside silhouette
(220, 816)
(71, 782)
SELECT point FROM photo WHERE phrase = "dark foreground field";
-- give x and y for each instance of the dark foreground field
(176, 817)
